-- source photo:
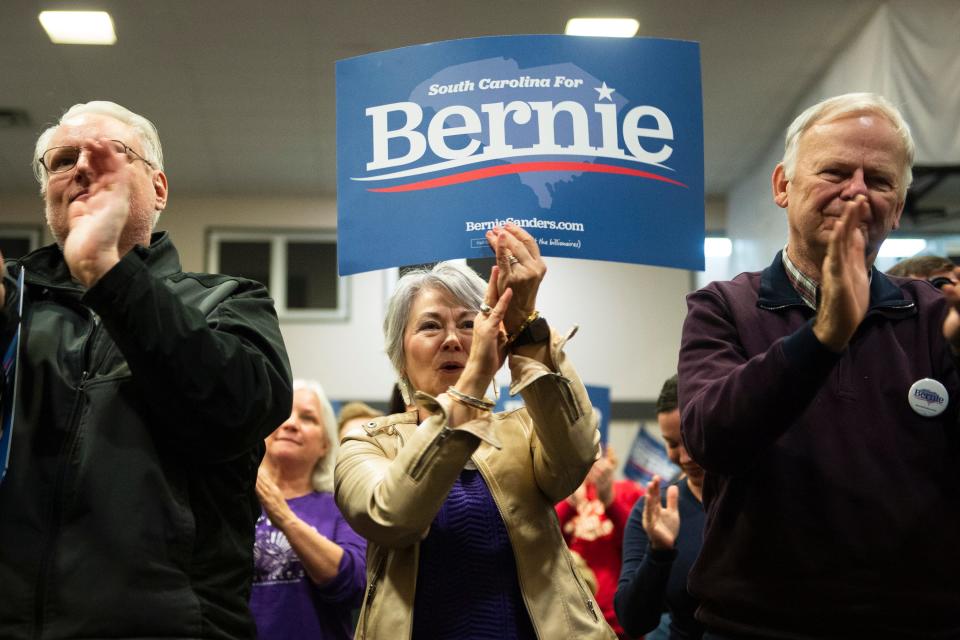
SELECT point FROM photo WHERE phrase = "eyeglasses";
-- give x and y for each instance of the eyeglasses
(939, 281)
(61, 159)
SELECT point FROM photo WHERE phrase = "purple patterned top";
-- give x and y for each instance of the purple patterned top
(285, 602)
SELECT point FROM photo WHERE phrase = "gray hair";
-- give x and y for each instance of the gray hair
(145, 130)
(459, 280)
(842, 106)
(322, 476)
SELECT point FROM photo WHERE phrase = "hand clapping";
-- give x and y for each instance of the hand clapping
(519, 267)
(845, 290)
(270, 496)
(99, 215)
(662, 524)
(489, 340)
(951, 324)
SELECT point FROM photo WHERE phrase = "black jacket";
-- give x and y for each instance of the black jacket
(128, 508)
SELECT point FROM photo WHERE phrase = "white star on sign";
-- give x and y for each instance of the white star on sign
(604, 92)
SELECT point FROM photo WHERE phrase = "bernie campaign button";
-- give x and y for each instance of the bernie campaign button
(928, 397)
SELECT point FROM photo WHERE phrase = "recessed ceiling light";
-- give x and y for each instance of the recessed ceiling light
(78, 27)
(610, 27)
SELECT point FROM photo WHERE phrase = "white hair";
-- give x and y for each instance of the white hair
(145, 130)
(322, 476)
(460, 281)
(846, 105)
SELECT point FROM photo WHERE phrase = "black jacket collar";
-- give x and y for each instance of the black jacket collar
(46, 266)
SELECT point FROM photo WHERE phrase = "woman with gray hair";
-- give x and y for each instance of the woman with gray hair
(308, 562)
(456, 501)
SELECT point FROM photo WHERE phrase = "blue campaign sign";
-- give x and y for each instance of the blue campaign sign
(599, 398)
(648, 457)
(594, 145)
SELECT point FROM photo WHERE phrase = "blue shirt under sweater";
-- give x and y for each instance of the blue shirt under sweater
(467, 586)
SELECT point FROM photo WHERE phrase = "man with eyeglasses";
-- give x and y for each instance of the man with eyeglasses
(142, 398)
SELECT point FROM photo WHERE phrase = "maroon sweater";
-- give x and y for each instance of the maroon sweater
(833, 509)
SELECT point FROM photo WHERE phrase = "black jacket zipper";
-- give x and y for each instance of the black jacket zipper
(66, 452)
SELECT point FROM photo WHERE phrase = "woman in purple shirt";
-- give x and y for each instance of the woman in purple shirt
(309, 571)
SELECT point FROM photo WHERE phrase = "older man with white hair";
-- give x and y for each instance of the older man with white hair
(142, 400)
(821, 398)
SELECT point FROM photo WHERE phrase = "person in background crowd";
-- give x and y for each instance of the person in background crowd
(662, 541)
(145, 393)
(309, 570)
(939, 271)
(592, 519)
(457, 502)
(353, 415)
(821, 398)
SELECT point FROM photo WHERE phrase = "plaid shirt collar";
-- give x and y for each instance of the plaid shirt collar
(807, 288)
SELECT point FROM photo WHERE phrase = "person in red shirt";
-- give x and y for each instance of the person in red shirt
(592, 519)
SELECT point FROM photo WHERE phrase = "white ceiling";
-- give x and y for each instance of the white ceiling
(242, 91)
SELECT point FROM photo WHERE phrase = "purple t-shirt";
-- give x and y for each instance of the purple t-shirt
(285, 602)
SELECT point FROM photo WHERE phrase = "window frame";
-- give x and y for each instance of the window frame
(32, 234)
(279, 239)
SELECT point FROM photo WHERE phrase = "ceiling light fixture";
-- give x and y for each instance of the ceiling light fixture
(78, 27)
(609, 27)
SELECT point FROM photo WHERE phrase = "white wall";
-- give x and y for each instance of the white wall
(757, 226)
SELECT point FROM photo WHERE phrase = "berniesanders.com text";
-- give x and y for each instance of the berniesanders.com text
(527, 223)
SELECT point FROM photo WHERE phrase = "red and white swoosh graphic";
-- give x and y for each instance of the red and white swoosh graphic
(523, 167)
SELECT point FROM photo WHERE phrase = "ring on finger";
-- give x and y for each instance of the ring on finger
(485, 309)
(512, 259)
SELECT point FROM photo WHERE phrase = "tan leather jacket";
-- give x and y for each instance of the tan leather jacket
(393, 476)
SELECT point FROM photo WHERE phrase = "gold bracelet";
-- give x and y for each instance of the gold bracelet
(470, 401)
(526, 323)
